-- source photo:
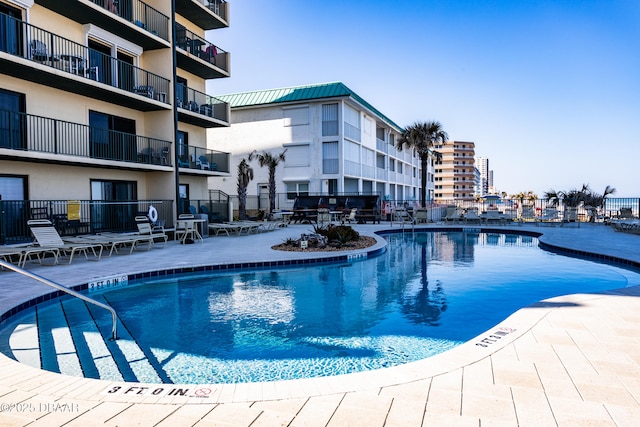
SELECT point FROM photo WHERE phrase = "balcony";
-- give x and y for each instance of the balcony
(133, 20)
(200, 57)
(200, 109)
(31, 53)
(206, 14)
(202, 161)
(32, 138)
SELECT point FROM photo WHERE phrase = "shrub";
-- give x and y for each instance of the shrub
(340, 234)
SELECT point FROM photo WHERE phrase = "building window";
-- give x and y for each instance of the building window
(295, 189)
(13, 124)
(113, 216)
(352, 123)
(330, 157)
(112, 137)
(333, 186)
(330, 120)
(296, 116)
(297, 155)
(183, 150)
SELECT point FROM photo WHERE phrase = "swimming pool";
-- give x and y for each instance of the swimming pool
(427, 293)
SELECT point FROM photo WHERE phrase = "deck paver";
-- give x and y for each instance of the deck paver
(573, 360)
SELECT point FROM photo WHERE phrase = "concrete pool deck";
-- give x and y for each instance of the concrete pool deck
(571, 360)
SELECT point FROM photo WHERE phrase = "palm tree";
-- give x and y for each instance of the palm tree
(245, 175)
(422, 137)
(271, 162)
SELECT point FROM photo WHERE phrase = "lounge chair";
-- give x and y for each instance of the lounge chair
(625, 213)
(549, 216)
(472, 217)
(527, 215)
(115, 241)
(454, 215)
(494, 217)
(47, 237)
(155, 232)
(421, 215)
(216, 228)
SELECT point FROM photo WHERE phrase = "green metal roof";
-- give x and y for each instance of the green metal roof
(298, 94)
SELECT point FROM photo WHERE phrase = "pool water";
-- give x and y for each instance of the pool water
(427, 293)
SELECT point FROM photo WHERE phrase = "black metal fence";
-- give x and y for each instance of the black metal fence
(41, 46)
(140, 13)
(203, 49)
(20, 131)
(201, 103)
(73, 217)
(611, 208)
(202, 158)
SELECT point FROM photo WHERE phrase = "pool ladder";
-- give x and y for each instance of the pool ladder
(114, 334)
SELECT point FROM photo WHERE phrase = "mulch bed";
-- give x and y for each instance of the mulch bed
(362, 243)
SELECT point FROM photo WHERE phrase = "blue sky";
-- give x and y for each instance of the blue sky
(548, 90)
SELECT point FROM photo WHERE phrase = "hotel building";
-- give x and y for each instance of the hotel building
(335, 141)
(455, 171)
(102, 102)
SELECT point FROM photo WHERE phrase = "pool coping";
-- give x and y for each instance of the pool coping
(482, 346)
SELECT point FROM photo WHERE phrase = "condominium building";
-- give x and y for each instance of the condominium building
(102, 101)
(455, 171)
(485, 179)
(335, 142)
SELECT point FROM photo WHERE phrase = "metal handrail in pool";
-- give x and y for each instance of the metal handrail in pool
(114, 335)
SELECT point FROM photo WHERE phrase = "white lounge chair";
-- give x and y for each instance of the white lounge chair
(549, 216)
(47, 237)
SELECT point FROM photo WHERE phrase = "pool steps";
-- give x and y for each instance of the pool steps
(44, 340)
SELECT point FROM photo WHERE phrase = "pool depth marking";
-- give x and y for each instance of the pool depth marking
(108, 283)
(134, 389)
(495, 336)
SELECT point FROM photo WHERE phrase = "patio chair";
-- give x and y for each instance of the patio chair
(203, 163)
(186, 229)
(156, 232)
(144, 90)
(324, 216)
(351, 216)
(47, 237)
(40, 53)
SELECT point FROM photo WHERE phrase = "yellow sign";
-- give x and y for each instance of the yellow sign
(73, 210)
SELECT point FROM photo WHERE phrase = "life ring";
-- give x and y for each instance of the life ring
(153, 214)
(386, 208)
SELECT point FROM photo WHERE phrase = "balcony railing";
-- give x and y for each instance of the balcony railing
(201, 48)
(192, 11)
(95, 216)
(201, 103)
(203, 159)
(26, 132)
(140, 13)
(43, 47)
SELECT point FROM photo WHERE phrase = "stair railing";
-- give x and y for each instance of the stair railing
(114, 335)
